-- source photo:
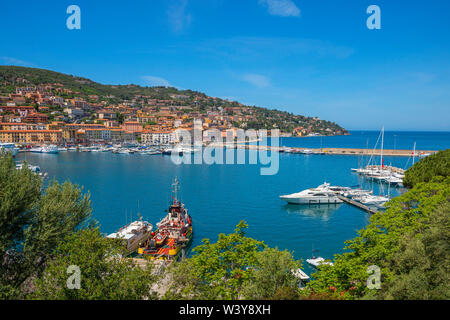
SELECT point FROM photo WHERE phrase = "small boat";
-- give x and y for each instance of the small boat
(302, 276)
(307, 151)
(372, 200)
(34, 169)
(319, 195)
(133, 235)
(317, 261)
(8, 148)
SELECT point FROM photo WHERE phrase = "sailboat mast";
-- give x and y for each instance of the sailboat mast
(382, 144)
(414, 153)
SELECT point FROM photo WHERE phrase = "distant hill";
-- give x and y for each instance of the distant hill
(262, 118)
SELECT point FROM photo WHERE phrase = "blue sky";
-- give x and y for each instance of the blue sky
(309, 57)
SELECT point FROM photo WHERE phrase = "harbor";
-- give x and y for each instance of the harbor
(219, 196)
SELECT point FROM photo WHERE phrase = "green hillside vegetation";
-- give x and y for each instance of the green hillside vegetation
(426, 169)
(263, 118)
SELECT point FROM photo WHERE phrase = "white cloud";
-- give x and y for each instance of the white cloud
(14, 61)
(257, 80)
(155, 81)
(178, 16)
(282, 8)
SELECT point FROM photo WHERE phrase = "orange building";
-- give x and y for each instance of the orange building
(132, 126)
(31, 136)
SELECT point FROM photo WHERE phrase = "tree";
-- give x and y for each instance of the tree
(272, 276)
(422, 265)
(104, 273)
(120, 117)
(19, 194)
(216, 270)
(429, 167)
(408, 242)
(32, 223)
(235, 267)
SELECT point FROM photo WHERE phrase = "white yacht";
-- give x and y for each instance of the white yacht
(318, 261)
(319, 195)
(9, 148)
(372, 200)
(133, 234)
(45, 149)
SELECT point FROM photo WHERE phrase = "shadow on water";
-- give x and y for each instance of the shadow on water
(319, 211)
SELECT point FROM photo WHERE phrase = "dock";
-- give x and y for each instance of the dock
(336, 151)
(356, 204)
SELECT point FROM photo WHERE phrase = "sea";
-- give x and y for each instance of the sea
(219, 196)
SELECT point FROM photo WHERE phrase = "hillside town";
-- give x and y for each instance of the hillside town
(55, 113)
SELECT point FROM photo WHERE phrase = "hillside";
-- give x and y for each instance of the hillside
(250, 117)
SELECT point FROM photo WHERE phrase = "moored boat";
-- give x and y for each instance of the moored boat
(52, 149)
(319, 195)
(8, 148)
(133, 235)
(174, 232)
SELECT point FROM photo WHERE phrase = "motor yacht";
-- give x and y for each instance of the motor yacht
(133, 234)
(321, 194)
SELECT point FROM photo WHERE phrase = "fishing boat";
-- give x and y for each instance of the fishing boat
(319, 195)
(134, 234)
(174, 232)
(8, 148)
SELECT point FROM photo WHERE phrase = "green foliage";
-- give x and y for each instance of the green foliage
(422, 264)
(272, 276)
(234, 267)
(217, 270)
(263, 118)
(408, 242)
(104, 273)
(32, 223)
(429, 167)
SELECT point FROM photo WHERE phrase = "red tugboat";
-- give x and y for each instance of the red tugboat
(173, 234)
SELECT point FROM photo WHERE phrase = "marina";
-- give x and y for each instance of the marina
(219, 196)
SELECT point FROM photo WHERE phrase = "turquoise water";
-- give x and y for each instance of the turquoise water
(219, 196)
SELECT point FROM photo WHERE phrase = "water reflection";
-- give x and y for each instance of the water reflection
(322, 211)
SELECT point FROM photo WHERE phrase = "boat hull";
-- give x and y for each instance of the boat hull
(332, 200)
